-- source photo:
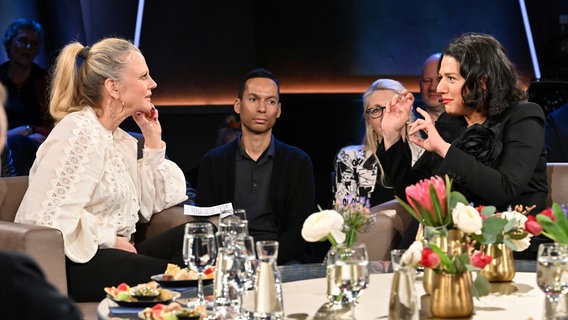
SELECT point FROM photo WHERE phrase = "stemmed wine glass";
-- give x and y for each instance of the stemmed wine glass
(199, 253)
(552, 272)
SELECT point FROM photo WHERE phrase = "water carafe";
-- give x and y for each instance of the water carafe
(268, 302)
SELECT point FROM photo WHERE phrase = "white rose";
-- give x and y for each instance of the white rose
(517, 216)
(467, 219)
(412, 255)
(319, 224)
(522, 244)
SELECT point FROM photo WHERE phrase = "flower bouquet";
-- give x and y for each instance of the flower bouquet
(339, 226)
(433, 203)
(347, 263)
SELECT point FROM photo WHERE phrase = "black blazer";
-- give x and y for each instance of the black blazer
(501, 162)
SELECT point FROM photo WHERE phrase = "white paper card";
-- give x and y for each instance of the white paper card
(206, 211)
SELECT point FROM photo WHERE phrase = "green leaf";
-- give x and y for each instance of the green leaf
(408, 208)
(493, 226)
(461, 262)
(488, 211)
(437, 206)
(447, 264)
(481, 286)
(511, 224)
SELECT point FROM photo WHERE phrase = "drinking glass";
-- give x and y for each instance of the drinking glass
(199, 253)
(244, 249)
(349, 273)
(233, 222)
(552, 272)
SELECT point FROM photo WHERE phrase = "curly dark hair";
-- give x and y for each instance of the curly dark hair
(482, 59)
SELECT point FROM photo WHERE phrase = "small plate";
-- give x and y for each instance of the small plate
(178, 283)
(141, 316)
(147, 303)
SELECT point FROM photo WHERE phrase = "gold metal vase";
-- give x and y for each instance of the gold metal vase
(502, 266)
(452, 297)
(450, 242)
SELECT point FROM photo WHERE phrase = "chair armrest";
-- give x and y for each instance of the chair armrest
(388, 230)
(43, 244)
(160, 222)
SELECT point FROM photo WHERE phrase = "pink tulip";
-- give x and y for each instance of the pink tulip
(430, 259)
(480, 260)
(532, 226)
(420, 193)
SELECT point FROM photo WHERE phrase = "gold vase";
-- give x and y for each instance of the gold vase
(502, 266)
(452, 297)
(450, 242)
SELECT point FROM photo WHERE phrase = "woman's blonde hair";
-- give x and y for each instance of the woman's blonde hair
(72, 87)
(371, 139)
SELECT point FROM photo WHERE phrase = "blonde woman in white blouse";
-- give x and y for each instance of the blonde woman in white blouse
(86, 180)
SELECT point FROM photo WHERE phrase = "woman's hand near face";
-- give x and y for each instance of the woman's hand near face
(150, 128)
(434, 142)
(395, 116)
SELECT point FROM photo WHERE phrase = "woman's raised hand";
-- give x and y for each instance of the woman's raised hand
(433, 142)
(150, 128)
(395, 117)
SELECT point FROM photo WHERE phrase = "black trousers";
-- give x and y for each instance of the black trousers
(110, 267)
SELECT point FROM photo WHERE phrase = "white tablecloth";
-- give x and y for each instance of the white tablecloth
(520, 299)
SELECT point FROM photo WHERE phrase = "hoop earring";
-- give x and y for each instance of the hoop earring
(112, 113)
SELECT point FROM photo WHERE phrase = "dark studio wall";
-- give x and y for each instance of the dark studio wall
(325, 53)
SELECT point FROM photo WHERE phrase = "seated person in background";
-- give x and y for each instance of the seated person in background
(497, 157)
(229, 130)
(431, 100)
(556, 135)
(271, 180)
(6, 162)
(359, 173)
(29, 121)
(87, 181)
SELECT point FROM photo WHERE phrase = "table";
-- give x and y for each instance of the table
(305, 297)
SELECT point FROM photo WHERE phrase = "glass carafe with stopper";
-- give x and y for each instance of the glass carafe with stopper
(268, 302)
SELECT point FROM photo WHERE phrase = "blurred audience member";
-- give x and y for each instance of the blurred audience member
(29, 121)
(229, 130)
(6, 162)
(431, 100)
(556, 135)
(271, 180)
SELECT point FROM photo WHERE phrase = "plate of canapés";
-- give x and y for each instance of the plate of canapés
(140, 296)
(172, 311)
(176, 277)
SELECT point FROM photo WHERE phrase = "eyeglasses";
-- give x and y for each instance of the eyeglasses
(24, 42)
(375, 112)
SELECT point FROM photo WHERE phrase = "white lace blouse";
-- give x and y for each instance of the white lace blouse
(87, 182)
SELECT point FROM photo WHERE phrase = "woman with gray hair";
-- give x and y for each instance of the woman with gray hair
(359, 173)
